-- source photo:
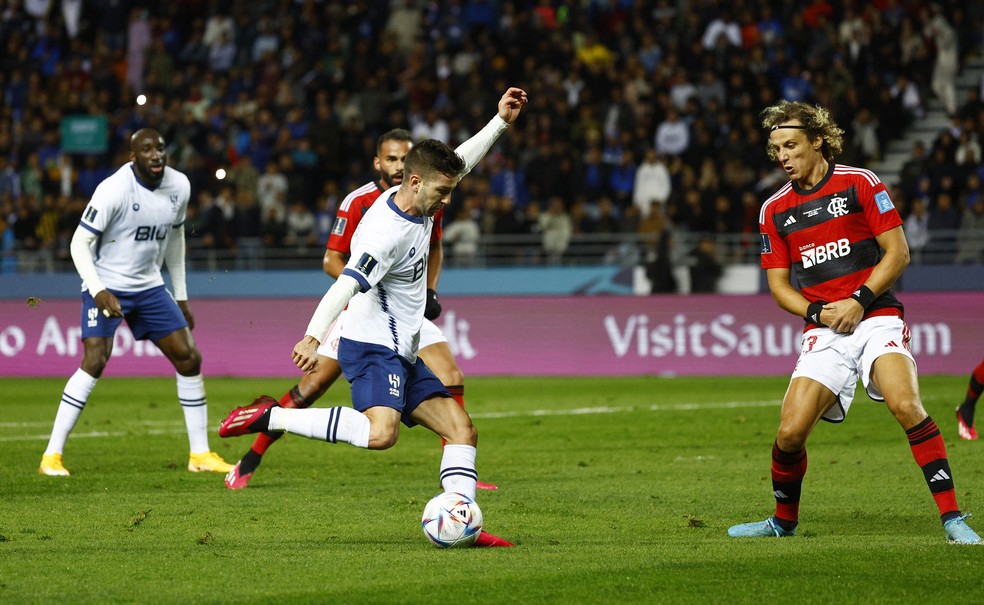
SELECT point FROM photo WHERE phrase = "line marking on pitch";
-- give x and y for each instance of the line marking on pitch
(179, 425)
(672, 407)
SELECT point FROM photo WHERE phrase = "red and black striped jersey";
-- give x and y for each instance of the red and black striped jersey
(350, 214)
(826, 236)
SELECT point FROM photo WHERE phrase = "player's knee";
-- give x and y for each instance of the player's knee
(93, 365)
(452, 376)
(908, 411)
(382, 440)
(188, 362)
(791, 438)
(94, 359)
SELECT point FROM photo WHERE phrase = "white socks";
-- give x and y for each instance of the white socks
(73, 399)
(458, 470)
(343, 424)
(327, 424)
(191, 395)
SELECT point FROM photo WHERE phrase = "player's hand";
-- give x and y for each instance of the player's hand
(433, 308)
(511, 104)
(842, 316)
(108, 304)
(305, 354)
(186, 311)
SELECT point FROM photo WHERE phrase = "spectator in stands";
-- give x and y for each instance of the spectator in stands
(972, 107)
(25, 226)
(968, 151)
(715, 67)
(970, 237)
(273, 228)
(556, 229)
(916, 228)
(138, 40)
(248, 229)
(652, 183)
(222, 220)
(906, 93)
(705, 268)
(913, 169)
(973, 191)
(463, 234)
(301, 226)
(672, 134)
(944, 39)
(622, 179)
(508, 180)
(404, 24)
(723, 26)
(90, 175)
(659, 268)
(244, 176)
(595, 173)
(431, 126)
(605, 219)
(8, 261)
(944, 220)
(529, 225)
(271, 191)
(865, 127)
(506, 223)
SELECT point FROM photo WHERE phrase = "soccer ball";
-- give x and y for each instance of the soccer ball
(451, 520)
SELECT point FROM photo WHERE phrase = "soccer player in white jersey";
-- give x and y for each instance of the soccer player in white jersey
(132, 225)
(391, 152)
(384, 287)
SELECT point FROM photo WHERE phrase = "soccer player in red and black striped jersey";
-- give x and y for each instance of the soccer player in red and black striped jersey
(835, 230)
(965, 411)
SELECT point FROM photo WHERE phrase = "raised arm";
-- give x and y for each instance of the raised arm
(475, 148)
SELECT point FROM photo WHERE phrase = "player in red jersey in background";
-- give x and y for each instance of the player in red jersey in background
(391, 151)
(965, 411)
(835, 228)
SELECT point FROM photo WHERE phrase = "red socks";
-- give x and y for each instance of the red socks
(788, 470)
(930, 454)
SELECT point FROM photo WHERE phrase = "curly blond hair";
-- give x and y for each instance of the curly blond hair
(816, 122)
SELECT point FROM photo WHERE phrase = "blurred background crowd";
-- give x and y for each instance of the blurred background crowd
(642, 127)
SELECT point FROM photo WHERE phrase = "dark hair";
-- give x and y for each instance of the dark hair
(397, 134)
(430, 156)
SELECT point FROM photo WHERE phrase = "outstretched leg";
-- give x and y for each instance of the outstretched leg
(302, 395)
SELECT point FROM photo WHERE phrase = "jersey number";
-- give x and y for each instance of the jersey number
(810, 342)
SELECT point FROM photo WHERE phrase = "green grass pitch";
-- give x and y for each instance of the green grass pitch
(615, 490)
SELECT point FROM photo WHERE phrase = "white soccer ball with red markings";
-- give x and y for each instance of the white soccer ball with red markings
(451, 520)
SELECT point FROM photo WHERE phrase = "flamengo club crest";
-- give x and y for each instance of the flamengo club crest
(837, 206)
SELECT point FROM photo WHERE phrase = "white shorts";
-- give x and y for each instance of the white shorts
(430, 334)
(837, 360)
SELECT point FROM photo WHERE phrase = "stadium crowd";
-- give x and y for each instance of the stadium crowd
(643, 114)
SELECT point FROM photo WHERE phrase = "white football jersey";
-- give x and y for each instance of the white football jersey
(389, 260)
(134, 225)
